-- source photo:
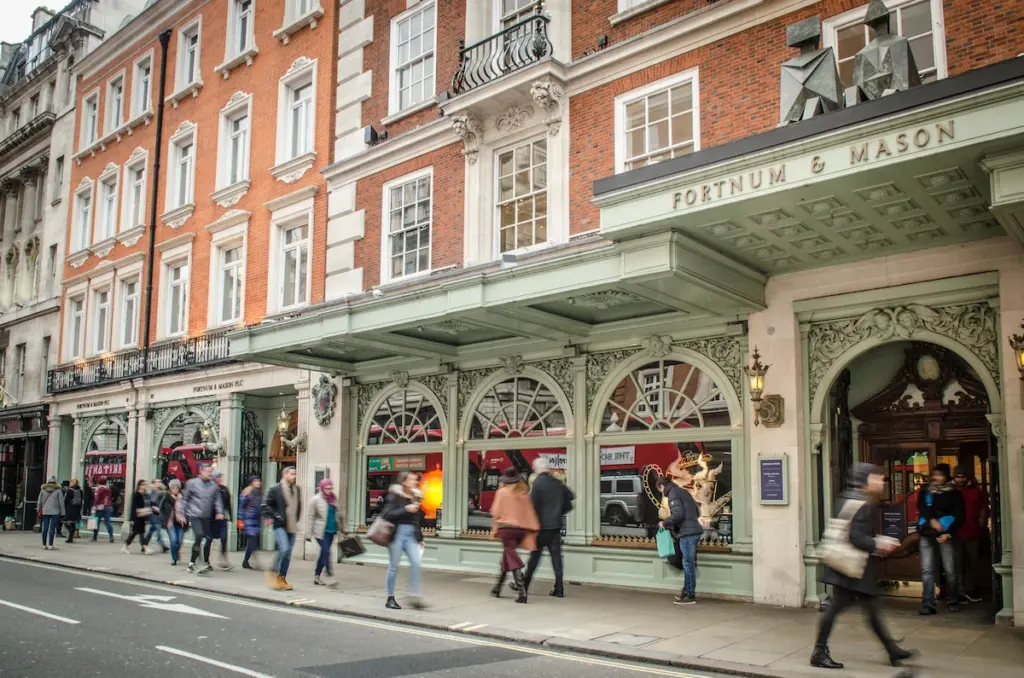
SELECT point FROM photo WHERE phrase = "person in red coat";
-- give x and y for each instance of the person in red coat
(968, 538)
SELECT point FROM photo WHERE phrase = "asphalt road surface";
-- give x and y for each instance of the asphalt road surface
(56, 622)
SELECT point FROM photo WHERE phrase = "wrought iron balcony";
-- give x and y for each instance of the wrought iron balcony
(515, 48)
(164, 358)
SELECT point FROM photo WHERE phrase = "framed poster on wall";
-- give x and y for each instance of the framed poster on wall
(773, 480)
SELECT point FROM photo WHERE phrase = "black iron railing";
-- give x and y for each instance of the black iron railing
(513, 49)
(163, 358)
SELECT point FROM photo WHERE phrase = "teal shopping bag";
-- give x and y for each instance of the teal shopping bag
(666, 549)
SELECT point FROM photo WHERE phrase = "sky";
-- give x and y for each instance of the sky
(16, 17)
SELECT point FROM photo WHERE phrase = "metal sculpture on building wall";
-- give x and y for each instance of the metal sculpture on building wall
(886, 64)
(810, 83)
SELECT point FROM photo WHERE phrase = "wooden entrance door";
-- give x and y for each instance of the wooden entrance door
(906, 466)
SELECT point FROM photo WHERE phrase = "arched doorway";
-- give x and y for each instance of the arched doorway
(908, 406)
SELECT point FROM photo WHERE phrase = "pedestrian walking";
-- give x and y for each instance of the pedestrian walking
(158, 518)
(73, 499)
(64, 485)
(326, 521)
(87, 497)
(173, 511)
(139, 512)
(282, 509)
(249, 505)
(51, 511)
(941, 507)
(402, 509)
(513, 521)
(686, 530)
(103, 507)
(866, 485)
(968, 539)
(202, 501)
(220, 527)
(552, 500)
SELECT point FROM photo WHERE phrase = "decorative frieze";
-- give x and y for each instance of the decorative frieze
(468, 128)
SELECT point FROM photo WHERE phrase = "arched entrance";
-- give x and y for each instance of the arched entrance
(186, 437)
(908, 405)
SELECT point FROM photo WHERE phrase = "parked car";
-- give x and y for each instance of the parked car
(619, 500)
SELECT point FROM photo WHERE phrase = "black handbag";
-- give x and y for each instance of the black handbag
(350, 547)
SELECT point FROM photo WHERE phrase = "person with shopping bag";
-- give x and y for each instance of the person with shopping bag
(684, 525)
(850, 549)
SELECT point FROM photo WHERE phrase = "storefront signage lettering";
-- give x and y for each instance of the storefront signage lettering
(95, 403)
(773, 477)
(557, 461)
(837, 158)
(222, 386)
(385, 464)
(617, 455)
(109, 470)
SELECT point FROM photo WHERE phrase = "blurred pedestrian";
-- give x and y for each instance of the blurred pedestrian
(249, 518)
(103, 507)
(941, 509)
(282, 509)
(158, 518)
(139, 512)
(220, 527)
(64, 485)
(402, 509)
(173, 511)
(326, 521)
(971, 566)
(73, 499)
(684, 524)
(865, 485)
(202, 502)
(552, 500)
(50, 511)
(513, 521)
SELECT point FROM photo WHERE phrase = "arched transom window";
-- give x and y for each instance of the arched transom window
(516, 408)
(406, 416)
(666, 394)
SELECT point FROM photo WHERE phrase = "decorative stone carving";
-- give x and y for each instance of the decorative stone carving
(469, 128)
(514, 118)
(208, 412)
(438, 385)
(468, 381)
(365, 394)
(996, 422)
(400, 379)
(975, 326)
(325, 395)
(657, 347)
(11, 259)
(298, 65)
(185, 127)
(603, 300)
(886, 64)
(549, 96)
(724, 352)
(104, 248)
(86, 181)
(111, 167)
(453, 327)
(513, 363)
(809, 84)
(237, 98)
(137, 153)
(599, 365)
(563, 373)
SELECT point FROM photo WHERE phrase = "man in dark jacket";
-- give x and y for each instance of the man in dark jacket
(219, 528)
(283, 509)
(865, 484)
(941, 507)
(73, 505)
(970, 561)
(685, 527)
(202, 505)
(551, 500)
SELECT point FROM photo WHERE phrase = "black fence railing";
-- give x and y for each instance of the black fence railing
(515, 48)
(163, 358)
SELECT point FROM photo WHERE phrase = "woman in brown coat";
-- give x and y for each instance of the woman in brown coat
(514, 522)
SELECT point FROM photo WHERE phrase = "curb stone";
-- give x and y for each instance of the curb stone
(586, 647)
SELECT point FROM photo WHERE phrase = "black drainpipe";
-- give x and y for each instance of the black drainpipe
(165, 39)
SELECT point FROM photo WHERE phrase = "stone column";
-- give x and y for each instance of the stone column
(454, 493)
(10, 189)
(77, 451)
(348, 408)
(29, 177)
(576, 451)
(53, 447)
(230, 426)
(303, 466)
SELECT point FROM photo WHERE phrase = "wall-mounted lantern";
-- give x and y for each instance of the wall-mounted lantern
(298, 443)
(1017, 344)
(768, 409)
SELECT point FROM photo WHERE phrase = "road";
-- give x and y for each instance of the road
(55, 621)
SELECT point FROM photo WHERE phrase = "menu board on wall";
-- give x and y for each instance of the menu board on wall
(773, 480)
(894, 521)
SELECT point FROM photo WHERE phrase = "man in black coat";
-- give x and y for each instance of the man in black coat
(684, 524)
(551, 500)
(941, 507)
(866, 484)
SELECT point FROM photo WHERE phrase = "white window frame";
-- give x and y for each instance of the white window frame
(283, 228)
(496, 197)
(114, 116)
(239, 267)
(75, 350)
(831, 26)
(126, 276)
(621, 101)
(499, 16)
(142, 101)
(189, 135)
(194, 27)
(100, 339)
(128, 182)
(228, 115)
(90, 131)
(226, 233)
(385, 230)
(110, 177)
(232, 48)
(394, 99)
(81, 232)
(288, 166)
(287, 212)
(170, 259)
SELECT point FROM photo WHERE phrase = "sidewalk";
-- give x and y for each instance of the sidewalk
(739, 638)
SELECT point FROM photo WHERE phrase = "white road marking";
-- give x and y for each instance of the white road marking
(150, 601)
(213, 662)
(456, 627)
(39, 612)
(475, 627)
(340, 618)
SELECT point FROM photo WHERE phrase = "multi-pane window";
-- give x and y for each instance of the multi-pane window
(243, 25)
(129, 312)
(659, 125)
(76, 318)
(301, 7)
(912, 20)
(102, 322)
(33, 106)
(90, 120)
(295, 265)
(115, 104)
(190, 55)
(21, 355)
(184, 172)
(108, 224)
(409, 220)
(231, 284)
(177, 294)
(413, 59)
(83, 219)
(514, 11)
(15, 120)
(300, 120)
(143, 85)
(136, 190)
(523, 196)
(238, 149)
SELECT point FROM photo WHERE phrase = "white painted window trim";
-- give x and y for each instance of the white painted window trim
(622, 100)
(831, 26)
(393, 89)
(87, 187)
(69, 350)
(627, 9)
(124, 276)
(111, 174)
(225, 239)
(186, 133)
(181, 83)
(84, 139)
(133, 164)
(294, 21)
(111, 121)
(236, 108)
(290, 168)
(282, 219)
(233, 56)
(94, 308)
(141, 105)
(495, 210)
(385, 226)
(169, 259)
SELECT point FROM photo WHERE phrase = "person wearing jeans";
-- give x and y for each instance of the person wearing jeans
(402, 509)
(326, 521)
(941, 507)
(684, 525)
(249, 504)
(103, 507)
(51, 510)
(174, 518)
(282, 509)
(202, 505)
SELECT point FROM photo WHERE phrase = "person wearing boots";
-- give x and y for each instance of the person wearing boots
(941, 507)
(249, 518)
(282, 509)
(551, 501)
(325, 521)
(140, 511)
(865, 484)
(684, 524)
(103, 506)
(73, 499)
(402, 509)
(158, 518)
(202, 505)
(220, 527)
(514, 522)
(51, 510)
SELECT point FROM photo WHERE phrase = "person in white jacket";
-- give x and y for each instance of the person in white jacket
(326, 520)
